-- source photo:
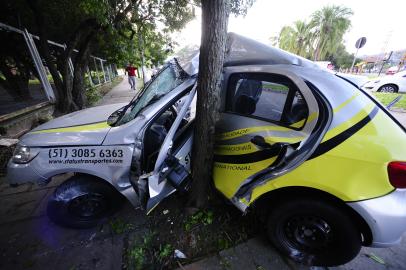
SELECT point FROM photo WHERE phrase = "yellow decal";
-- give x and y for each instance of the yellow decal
(342, 105)
(241, 132)
(248, 147)
(81, 128)
(349, 123)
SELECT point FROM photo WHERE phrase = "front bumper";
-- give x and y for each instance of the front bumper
(23, 173)
(386, 217)
(371, 88)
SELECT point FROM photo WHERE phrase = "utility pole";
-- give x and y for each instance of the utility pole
(384, 48)
(384, 61)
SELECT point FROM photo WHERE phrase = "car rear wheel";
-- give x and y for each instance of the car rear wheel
(313, 232)
(388, 88)
(82, 202)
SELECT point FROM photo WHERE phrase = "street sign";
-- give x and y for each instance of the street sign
(360, 42)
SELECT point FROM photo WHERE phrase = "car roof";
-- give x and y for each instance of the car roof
(245, 51)
(241, 50)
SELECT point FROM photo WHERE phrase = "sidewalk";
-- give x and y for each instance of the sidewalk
(121, 93)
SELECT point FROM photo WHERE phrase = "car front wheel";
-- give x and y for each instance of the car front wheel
(82, 202)
(313, 232)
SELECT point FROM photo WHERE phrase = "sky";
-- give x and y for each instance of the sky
(381, 22)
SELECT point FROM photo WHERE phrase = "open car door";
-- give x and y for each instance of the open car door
(171, 171)
(271, 122)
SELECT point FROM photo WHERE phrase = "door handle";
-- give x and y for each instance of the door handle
(260, 142)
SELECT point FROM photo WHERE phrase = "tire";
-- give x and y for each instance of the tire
(313, 232)
(388, 88)
(82, 202)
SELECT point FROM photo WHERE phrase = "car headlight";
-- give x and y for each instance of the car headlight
(24, 154)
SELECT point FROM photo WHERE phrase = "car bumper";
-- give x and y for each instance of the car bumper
(23, 173)
(369, 88)
(386, 217)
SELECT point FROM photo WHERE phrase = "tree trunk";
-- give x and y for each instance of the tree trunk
(212, 49)
(81, 62)
(141, 50)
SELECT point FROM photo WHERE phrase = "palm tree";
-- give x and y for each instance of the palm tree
(296, 39)
(329, 24)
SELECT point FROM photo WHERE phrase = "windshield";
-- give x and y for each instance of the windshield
(162, 84)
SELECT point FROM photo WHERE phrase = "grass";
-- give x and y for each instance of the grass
(386, 98)
(145, 254)
(118, 226)
(94, 94)
(199, 218)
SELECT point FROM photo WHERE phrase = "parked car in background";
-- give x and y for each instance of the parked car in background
(389, 84)
(358, 80)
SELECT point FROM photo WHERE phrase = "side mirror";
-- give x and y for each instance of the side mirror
(115, 116)
(245, 104)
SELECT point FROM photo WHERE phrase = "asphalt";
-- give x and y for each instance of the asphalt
(28, 240)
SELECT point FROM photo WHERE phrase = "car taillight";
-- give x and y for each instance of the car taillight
(397, 174)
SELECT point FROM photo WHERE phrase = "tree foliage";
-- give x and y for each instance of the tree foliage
(341, 58)
(319, 38)
(297, 38)
(329, 24)
(119, 30)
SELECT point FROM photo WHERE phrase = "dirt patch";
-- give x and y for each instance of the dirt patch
(171, 229)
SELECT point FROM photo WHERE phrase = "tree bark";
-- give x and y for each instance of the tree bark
(212, 49)
(81, 63)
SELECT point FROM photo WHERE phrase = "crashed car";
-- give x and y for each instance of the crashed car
(320, 161)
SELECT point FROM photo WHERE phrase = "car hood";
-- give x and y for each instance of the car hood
(85, 127)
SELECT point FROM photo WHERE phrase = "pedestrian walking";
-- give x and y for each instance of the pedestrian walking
(131, 71)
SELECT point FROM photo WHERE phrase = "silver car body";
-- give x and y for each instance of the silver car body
(108, 152)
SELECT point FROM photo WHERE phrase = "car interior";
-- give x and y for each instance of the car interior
(159, 128)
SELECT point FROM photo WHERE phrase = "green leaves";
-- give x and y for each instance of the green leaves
(320, 37)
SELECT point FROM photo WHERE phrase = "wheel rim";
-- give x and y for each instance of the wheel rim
(306, 233)
(88, 205)
(388, 89)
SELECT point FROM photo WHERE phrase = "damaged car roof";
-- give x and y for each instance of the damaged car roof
(245, 51)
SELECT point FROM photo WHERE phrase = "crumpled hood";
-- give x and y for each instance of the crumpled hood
(85, 127)
(83, 117)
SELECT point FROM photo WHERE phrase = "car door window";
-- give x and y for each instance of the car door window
(271, 98)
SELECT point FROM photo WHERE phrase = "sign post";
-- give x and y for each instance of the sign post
(359, 44)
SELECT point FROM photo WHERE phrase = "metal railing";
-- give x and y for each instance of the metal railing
(103, 70)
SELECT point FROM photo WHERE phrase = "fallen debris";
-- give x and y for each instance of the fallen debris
(179, 254)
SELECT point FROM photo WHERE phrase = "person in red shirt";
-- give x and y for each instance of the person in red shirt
(131, 71)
